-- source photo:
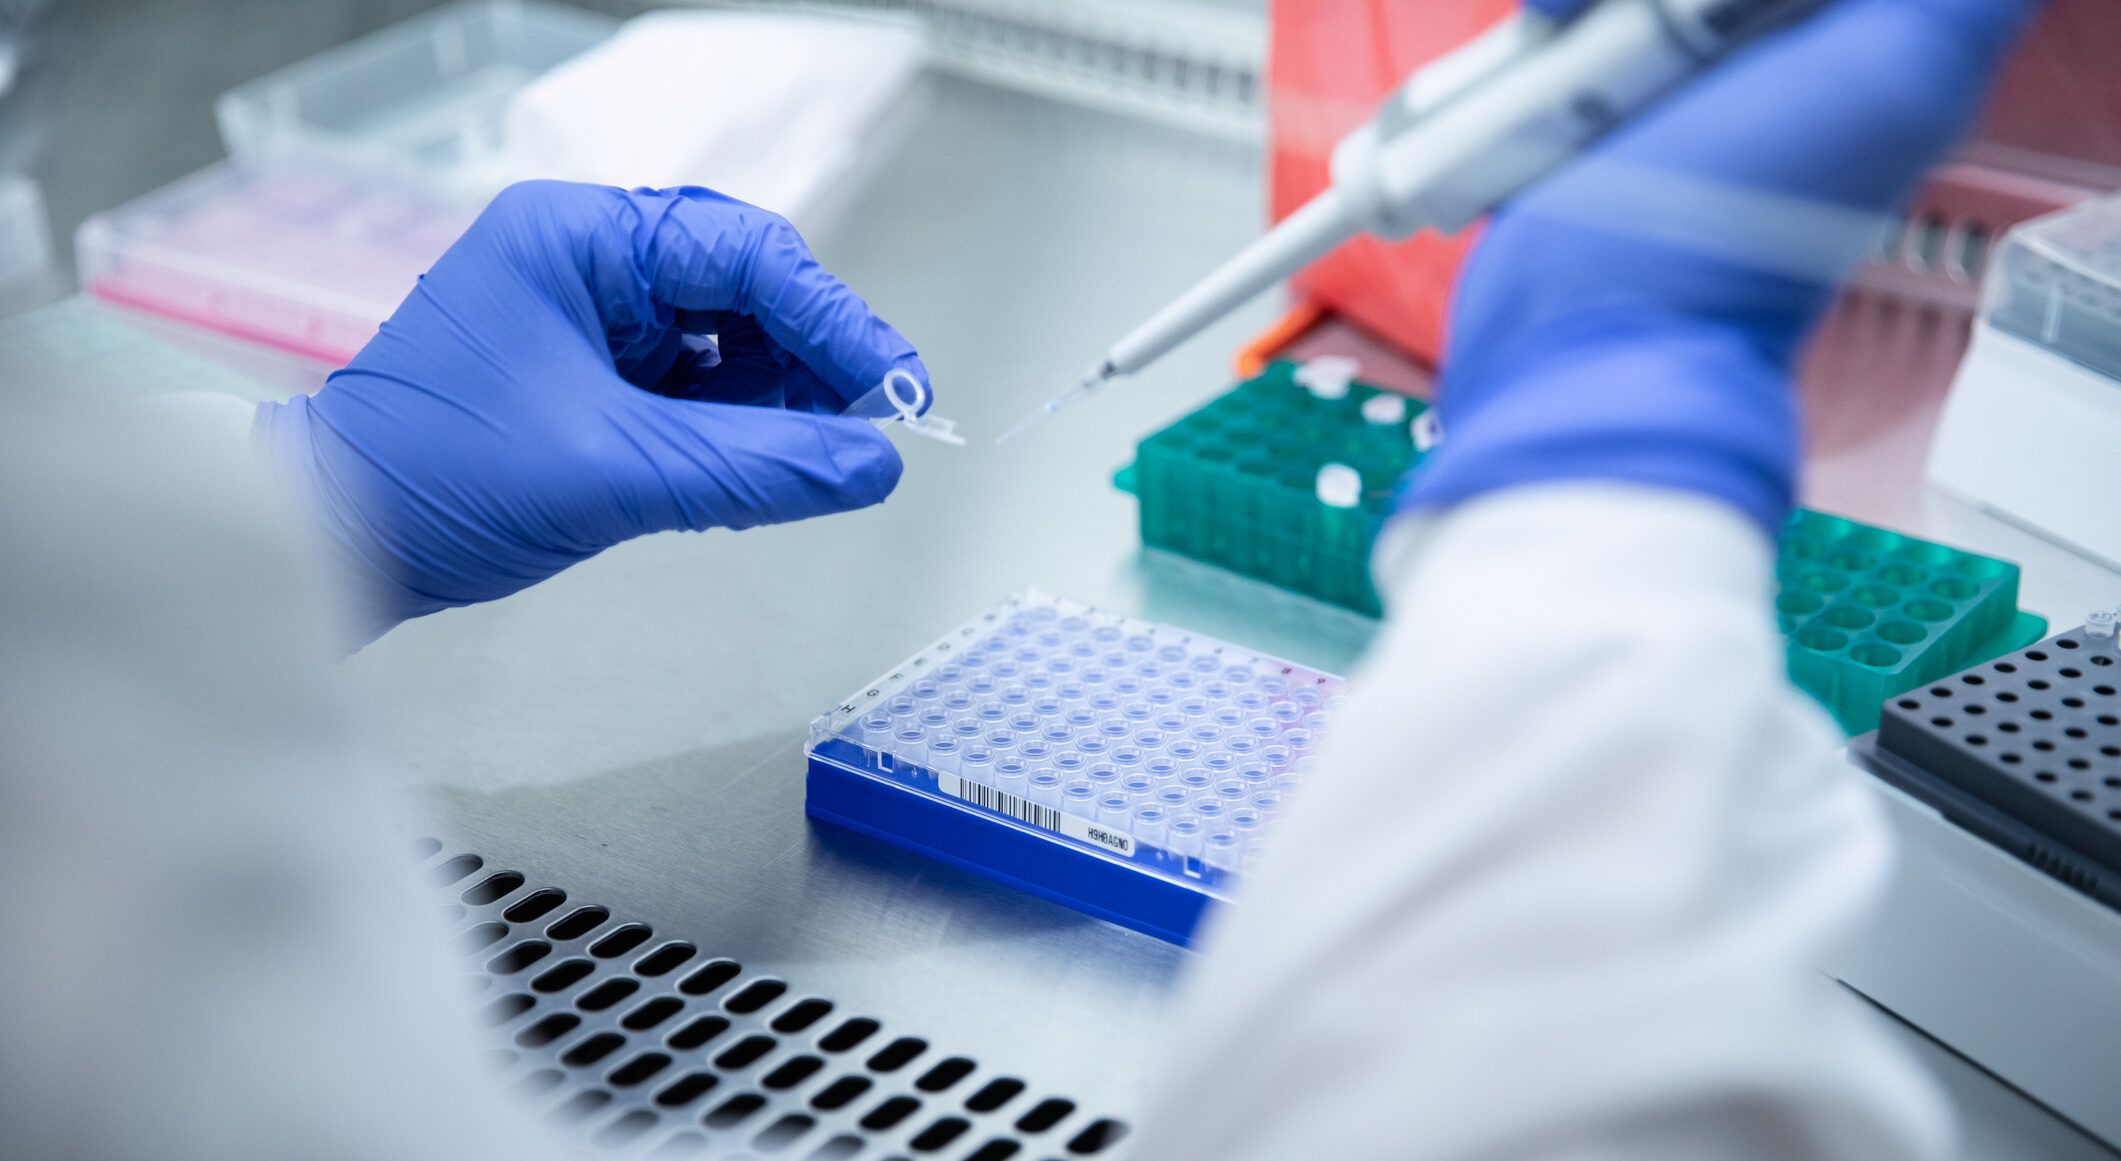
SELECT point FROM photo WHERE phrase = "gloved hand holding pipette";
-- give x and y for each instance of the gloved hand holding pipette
(1635, 318)
(588, 365)
(1462, 136)
(1576, 850)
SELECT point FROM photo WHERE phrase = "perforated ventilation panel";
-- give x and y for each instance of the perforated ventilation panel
(652, 1046)
(1195, 65)
(2025, 750)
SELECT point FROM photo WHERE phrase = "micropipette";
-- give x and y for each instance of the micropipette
(1457, 139)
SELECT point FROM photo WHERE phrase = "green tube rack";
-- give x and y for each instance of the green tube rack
(1869, 614)
(1235, 484)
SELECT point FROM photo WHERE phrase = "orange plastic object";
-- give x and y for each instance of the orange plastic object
(2056, 117)
(1330, 63)
(1253, 357)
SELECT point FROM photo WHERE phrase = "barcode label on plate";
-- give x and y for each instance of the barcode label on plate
(1044, 817)
(1001, 802)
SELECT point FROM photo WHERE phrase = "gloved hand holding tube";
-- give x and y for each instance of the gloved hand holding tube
(1634, 317)
(587, 365)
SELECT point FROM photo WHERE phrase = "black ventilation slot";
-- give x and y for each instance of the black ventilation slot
(517, 958)
(650, 1048)
(535, 905)
(698, 1032)
(848, 1035)
(665, 959)
(492, 887)
(994, 1094)
(456, 869)
(606, 994)
(897, 1054)
(639, 1069)
(578, 923)
(802, 1014)
(563, 975)
(745, 1053)
(710, 977)
(754, 996)
(652, 1013)
(685, 1091)
(621, 941)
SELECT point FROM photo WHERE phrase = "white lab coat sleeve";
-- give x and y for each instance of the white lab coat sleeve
(212, 944)
(1558, 886)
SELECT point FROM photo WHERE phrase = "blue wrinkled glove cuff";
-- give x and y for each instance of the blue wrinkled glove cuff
(283, 434)
(1674, 404)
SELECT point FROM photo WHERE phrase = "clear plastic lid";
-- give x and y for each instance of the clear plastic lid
(1048, 710)
(304, 257)
(426, 97)
(2057, 283)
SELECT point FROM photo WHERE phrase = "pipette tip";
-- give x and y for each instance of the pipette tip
(1026, 423)
(1098, 377)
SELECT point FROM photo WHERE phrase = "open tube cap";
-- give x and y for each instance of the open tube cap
(904, 398)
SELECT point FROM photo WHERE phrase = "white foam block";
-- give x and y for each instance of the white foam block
(767, 108)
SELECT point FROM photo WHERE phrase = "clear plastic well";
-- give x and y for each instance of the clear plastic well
(1124, 738)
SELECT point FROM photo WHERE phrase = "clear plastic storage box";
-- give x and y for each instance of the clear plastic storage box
(427, 97)
(307, 258)
(2057, 283)
(2033, 424)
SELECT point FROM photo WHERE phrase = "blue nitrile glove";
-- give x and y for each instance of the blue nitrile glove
(549, 390)
(1634, 317)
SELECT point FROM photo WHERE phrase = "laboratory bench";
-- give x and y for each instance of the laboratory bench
(632, 731)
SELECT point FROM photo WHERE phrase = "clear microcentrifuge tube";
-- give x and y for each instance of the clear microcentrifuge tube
(904, 398)
(1327, 376)
(2101, 623)
(1339, 486)
(1384, 410)
(1426, 430)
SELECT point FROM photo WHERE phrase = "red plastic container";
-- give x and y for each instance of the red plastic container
(1329, 63)
(1879, 368)
(2053, 134)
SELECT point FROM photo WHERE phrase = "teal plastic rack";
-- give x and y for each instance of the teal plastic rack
(1235, 484)
(1869, 613)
